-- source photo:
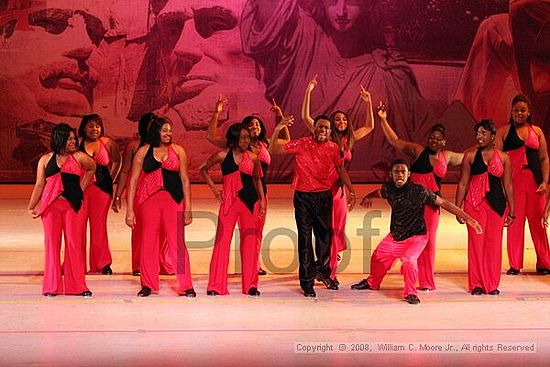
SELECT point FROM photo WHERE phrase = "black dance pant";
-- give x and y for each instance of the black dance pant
(313, 211)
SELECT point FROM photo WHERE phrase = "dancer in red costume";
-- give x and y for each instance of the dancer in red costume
(159, 202)
(241, 199)
(61, 177)
(259, 145)
(408, 235)
(97, 197)
(429, 167)
(343, 134)
(316, 157)
(484, 188)
(167, 259)
(526, 146)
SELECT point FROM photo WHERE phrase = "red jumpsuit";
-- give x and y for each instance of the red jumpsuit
(526, 177)
(423, 173)
(97, 200)
(240, 203)
(61, 213)
(160, 210)
(339, 217)
(485, 202)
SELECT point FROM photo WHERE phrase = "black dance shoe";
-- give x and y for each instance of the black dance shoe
(362, 285)
(494, 292)
(189, 293)
(309, 293)
(412, 299)
(107, 270)
(327, 282)
(144, 292)
(335, 281)
(262, 272)
(50, 295)
(477, 291)
(543, 271)
(86, 294)
(512, 271)
(212, 293)
(254, 292)
(136, 273)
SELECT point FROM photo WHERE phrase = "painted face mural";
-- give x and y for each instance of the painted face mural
(61, 59)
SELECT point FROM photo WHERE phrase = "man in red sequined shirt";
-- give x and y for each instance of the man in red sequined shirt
(315, 156)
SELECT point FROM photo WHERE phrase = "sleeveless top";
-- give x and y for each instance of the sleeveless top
(62, 181)
(423, 173)
(102, 177)
(158, 176)
(486, 182)
(238, 182)
(523, 154)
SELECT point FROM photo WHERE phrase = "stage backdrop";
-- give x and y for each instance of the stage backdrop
(430, 61)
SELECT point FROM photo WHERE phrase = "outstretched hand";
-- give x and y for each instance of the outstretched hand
(365, 95)
(286, 121)
(312, 83)
(381, 110)
(220, 103)
(475, 225)
(277, 109)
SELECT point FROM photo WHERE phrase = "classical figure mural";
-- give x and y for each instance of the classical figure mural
(436, 61)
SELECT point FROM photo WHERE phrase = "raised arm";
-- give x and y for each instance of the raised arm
(277, 145)
(306, 104)
(38, 185)
(284, 135)
(215, 158)
(124, 172)
(409, 148)
(213, 135)
(184, 176)
(365, 130)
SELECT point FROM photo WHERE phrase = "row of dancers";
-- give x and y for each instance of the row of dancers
(507, 170)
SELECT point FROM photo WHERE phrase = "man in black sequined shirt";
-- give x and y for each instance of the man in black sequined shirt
(408, 235)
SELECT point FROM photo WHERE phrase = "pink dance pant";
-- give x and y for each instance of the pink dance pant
(426, 260)
(60, 218)
(96, 208)
(528, 205)
(167, 260)
(388, 251)
(217, 280)
(160, 215)
(484, 250)
(339, 216)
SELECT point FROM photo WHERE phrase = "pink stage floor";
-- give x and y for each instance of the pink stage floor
(280, 328)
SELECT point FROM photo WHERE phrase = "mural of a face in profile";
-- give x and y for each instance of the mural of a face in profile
(49, 78)
(193, 55)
